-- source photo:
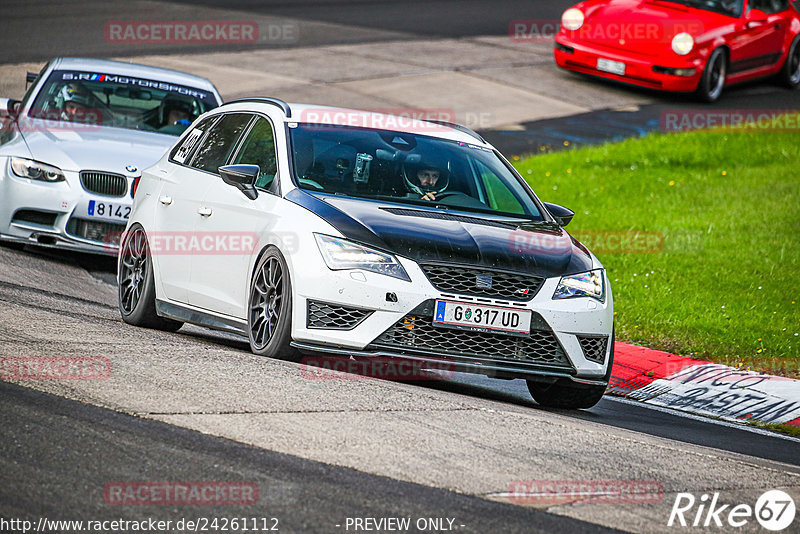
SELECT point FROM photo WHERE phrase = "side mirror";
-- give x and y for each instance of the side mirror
(756, 17)
(242, 177)
(9, 107)
(562, 215)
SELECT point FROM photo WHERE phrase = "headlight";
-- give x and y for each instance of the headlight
(572, 19)
(340, 254)
(27, 168)
(589, 284)
(682, 44)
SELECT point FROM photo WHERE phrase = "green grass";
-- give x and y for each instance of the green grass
(725, 286)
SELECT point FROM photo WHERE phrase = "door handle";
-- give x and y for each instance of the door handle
(205, 212)
(165, 200)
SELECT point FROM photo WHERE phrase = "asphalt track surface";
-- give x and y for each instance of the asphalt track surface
(66, 452)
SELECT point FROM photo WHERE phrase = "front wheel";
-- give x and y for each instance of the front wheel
(563, 395)
(136, 285)
(569, 395)
(713, 79)
(269, 313)
(790, 73)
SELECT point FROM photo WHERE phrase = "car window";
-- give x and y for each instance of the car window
(407, 168)
(220, 141)
(769, 6)
(258, 148)
(120, 101)
(183, 150)
(498, 195)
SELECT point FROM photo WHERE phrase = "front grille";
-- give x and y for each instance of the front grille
(102, 232)
(43, 218)
(334, 316)
(594, 347)
(104, 183)
(482, 282)
(416, 333)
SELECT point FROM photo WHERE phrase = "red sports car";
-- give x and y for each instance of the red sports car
(682, 45)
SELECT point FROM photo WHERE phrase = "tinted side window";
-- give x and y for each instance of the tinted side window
(769, 6)
(220, 142)
(258, 148)
(183, 150)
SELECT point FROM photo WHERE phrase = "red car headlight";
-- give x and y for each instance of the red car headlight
(572, 19)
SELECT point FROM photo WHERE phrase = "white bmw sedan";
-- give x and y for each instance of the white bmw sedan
(316, 230)
(70, 150)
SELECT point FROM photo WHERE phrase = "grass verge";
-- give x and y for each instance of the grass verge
(699, 233)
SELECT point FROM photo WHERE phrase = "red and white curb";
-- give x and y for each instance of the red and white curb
(701, 387)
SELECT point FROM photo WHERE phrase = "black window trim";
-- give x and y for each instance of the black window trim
(190, 155)
(205, 134)
(274, 187)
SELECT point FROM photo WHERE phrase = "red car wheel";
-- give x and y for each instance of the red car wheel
(713, 80)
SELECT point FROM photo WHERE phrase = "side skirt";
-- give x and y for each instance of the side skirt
(199, 318)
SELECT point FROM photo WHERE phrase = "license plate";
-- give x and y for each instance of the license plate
(614, 67)
(108, 210)
(463, 315)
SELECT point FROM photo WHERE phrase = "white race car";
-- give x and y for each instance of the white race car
(71, 148)
(315, 230)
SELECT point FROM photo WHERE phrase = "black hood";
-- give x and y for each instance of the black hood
(430, 235)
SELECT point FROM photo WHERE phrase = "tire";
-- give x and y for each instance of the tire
(269, 308)
(570, 395)
(136, 286)
(713, 80)
(790, 73)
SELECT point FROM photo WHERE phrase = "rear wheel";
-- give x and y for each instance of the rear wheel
(790, 74)
(136, 286)
(713, 79)
(269, 314)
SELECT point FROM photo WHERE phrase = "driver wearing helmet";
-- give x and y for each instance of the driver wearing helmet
(428, 181)
(175, 111)
(75, 101)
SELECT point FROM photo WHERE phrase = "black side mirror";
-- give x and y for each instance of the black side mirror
(242, 177)
(9, 107)
(562, 215)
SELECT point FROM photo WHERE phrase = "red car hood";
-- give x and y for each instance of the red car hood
(644, 27)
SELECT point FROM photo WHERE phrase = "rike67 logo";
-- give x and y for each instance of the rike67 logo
(774, 510)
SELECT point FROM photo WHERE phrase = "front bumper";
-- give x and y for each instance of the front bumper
(644, 71)
(393, 318)
(57, 214)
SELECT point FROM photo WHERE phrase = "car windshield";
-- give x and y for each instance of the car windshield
(120, 101)
(407, 168)
(726, 7)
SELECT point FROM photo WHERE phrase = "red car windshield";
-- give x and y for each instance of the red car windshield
(732, 8)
